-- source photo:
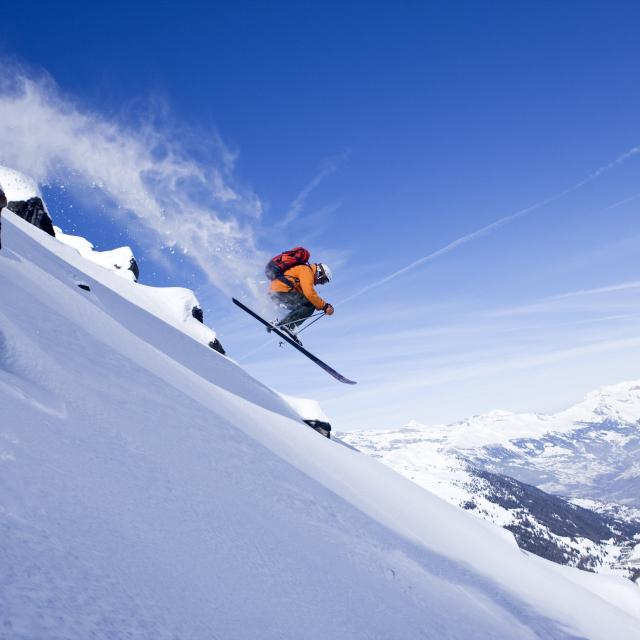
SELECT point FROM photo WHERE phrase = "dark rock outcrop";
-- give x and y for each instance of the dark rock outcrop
(33, 211)
(216, 345)
(133, 267)
(323, 428)
(198, 314)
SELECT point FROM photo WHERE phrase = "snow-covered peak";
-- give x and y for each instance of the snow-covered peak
(613, 403)
(495, 426)
(489, 428)
(618, 402)
(18, 186)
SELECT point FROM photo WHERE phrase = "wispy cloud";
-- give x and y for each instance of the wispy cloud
(622, 286)
(393, 394)
(299, 202)
(494, 365)
(316, 220)
(487, 229)
(545, 305)
(615, 205)
(143, 168)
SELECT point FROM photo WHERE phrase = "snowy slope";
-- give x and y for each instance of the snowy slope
(150, 488)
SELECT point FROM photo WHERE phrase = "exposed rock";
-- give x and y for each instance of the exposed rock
(323, 428)
(33, 211)
(311, 414)
(216, 345)
(134, 268)
(198, 314)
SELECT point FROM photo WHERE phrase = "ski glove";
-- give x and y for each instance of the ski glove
(328, 309)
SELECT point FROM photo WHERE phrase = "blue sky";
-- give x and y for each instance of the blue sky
(380, 136)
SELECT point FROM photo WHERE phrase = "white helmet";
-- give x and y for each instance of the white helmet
(323, 273)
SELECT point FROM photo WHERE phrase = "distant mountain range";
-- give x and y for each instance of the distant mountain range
(566, 485)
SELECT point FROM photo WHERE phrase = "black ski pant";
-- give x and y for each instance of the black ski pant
(296, 304)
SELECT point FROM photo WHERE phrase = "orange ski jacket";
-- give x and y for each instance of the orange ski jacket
(302, 279)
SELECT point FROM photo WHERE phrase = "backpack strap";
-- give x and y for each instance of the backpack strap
(292, 281)
(285, 280)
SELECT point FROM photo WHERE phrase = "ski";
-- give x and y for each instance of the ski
(293, 343)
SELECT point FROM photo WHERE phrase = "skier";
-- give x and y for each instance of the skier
(294, 291)
(293, 279)
(3, 203)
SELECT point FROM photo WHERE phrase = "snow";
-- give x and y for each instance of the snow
(117, 260)
(619, 402)
(174, 305)
(151, 488)
(634, 556)
(306, 408)
(17, 186)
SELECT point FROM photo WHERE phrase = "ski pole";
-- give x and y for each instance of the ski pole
(315, 315)
(316, 320)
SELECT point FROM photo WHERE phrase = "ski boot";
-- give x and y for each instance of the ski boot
(291, 332)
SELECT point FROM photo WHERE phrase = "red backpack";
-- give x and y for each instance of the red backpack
(279, 264)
